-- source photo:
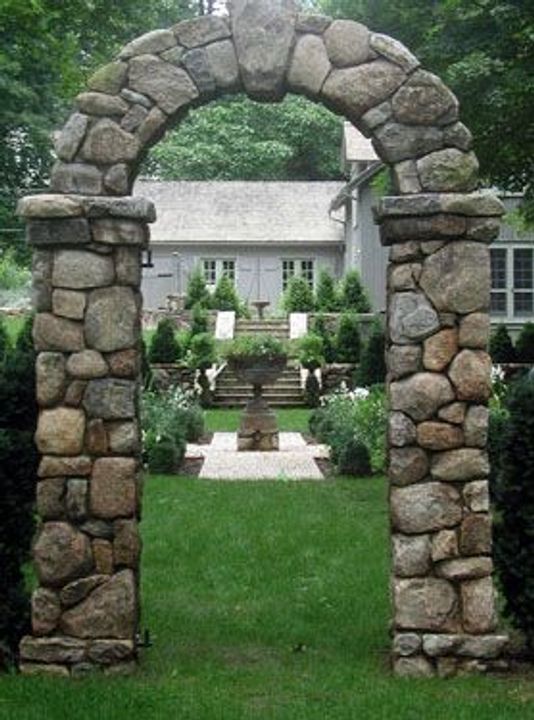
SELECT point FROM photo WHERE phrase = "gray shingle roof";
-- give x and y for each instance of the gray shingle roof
(242, 212)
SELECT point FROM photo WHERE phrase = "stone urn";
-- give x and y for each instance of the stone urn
(259, 428)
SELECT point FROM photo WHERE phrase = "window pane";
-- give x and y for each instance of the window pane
(288, 270)
(523, 303)
(523, 269)
(210, 272)
(498, 269)
(498, 304)
(228, 269)
(306, 270)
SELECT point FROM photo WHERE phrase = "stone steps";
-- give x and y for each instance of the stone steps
(230, 391)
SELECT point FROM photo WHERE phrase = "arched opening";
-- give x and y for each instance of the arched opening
(88, 236)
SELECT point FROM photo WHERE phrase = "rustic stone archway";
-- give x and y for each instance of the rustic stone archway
(87, 238)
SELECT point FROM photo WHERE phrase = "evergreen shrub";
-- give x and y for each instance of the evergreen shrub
(197, 291)
(202, 354)
(311, 351)
(372, 367)
(501, 347)
(225, 296)
(320, 327)
(525, 344)
(199, 320)
(164, 347)
(354, 459)
(312, 391)
(326, 299)
(348, 340)
(353, 295)
(298, 296)
(514, 510)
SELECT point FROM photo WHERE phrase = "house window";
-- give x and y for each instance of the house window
(499, 302)
(523, 281)
(301, 267)
(215, 268)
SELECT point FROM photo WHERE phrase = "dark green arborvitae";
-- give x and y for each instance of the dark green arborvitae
(165, 347)
(348, 340)
(372, 368)
(501, 347)
(525, 344)
(353, 295)
(197, 291)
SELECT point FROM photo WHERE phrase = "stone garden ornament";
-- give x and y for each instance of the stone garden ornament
(87, 235)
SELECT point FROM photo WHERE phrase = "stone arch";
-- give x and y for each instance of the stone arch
(87, 237)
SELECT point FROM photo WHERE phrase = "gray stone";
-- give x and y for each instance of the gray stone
(476, 496)
(460, 465)
(117, 179)
(58, 232)
(196, 63)
(116, 231)
(87, 365)
(222, 61)
(133, 118)
(484, 646)
(394, 51)
(110, 652)
(170, 87)
(112, 319)
(127, 544)
(136, 98)
(45, 611)
(153, 127)
(476, 426)
(78, 178)
(395, 142)
(404, 276)
(107, 143)
(476, 204)
(444, 545)
(353, 91)
(132, 208)
(109, 78)
(128, 266)
(424, 100)
(76, 499)
(478, 606)
(429, 230)
(153, 42)
(52, 650)
(123, 438)
(69, 304)
(113, 488)
(483, 229)
(347, 43)
(108, 612)
(402, 430)
(465, 568)
(406, 178)
(411, 555)
(448, 170)
(459, 136)
(421, 395)
(425, 507)
(201, 30)
(173, 55)
(50, 377)
(97, 103)
(57, 334)
(125, 363)
(49, 206)
(375, 117)
(100, 529)
(51, 466)
(474, 331)
(425, 604)
(457, 277)
(60, 431)
(68, 141)
(80, 270)
(309, 66)
(407, 465)
(440, 349)
(50, 498)
(404, 360)
(78, 590)
(74, 394)
(406, 644)
(470, 372)
(413, 667)
(263, 37)
(411, 318)
(440, 645)
(434, 435)
(475, 534)
(312, 23)
(110, 399)
(61, 553)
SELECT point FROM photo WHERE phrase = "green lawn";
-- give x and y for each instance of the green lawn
(265, 600)
(289, 419)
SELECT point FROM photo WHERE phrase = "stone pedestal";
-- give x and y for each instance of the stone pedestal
(259, 428)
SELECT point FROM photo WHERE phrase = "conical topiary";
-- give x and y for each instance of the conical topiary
(353, 295)
(164, 347)
(501, 347)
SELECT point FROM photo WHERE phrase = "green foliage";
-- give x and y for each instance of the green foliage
(312, 391)
(165, 455)
(347, 419)
(320, 327)
(197, 291)
(501, 347)
(326, 299)
(354, 459)
(264, 347)
(164, 347)
(225, 296)
(199, 320)
(18, 470)
(235, 138)
(201, 354)
(13, 275)
(311, 351)
(372, 367)
(353, 295)
(525, 344)
(514, 504)
(5, 342)
(348, 340)
(298, 296)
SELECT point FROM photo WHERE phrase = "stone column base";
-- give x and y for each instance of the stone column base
(259, 429)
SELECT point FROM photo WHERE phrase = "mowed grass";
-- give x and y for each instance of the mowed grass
(265, 600)
(227, 420)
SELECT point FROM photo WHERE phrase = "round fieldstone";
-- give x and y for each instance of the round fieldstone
(60, 431)
(114, 488)
(475, 331)
(420, 396)
(61, 553)
(460, 465)
(475, 534)
(310, 65)
(46, 611)
(87, 365)
(51, 378)
(448, 170)
(439, 436)
(470, 373)
(457, 277)
(80, 269)
(407, 465)
(425, 507)
(112, 319)
(411, 318)
(476, 426)
(347, 43)
(402, 430)
(110, 399)
(424, 100)
(57, 334)
(478, 606)
(411, 555)
(170, 87)
(425, 604)
(440, 349)
(404, 360)
(107, 143)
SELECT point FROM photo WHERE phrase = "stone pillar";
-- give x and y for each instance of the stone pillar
(439, 385)
(87, 332)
